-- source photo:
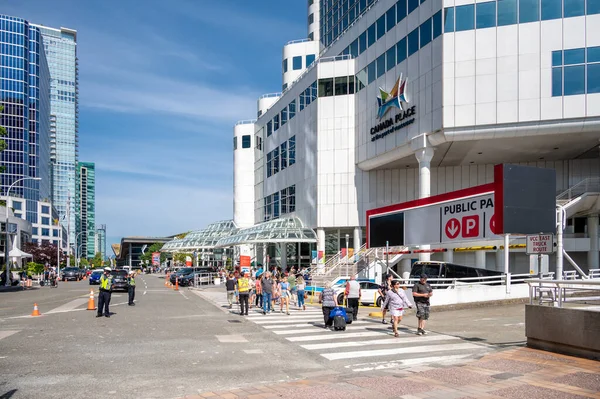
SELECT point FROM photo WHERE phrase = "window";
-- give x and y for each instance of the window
(574, 56)
(380, 27)
(285, 65)
(341, 86)
(465, 18)
(574, 8)
(350, 84)
(284, 154)
(362, 42)
(17, 206)
(46, 221)
(269, 164)
(275, 159)
(354, 49)
(45, 209)
(486, 15)
(390, 17)
(574, 77)
(45, 232)
(391, 57)
(276, 122)
(326, 87)
(284, 200)
(551, 9)
(371, 35)
(529, 11)
(400, 10)
(507, 12)
(412, 5)
(302, 100)
(557, 58)
(310, 58)
(292, 150)
(593, 78)
(437, 24)
(297, 63)
(258, 141)
(361, 79)
(311, 18)
(55, 233)
(276, 205)
(292, 109)
(380, 65)
(371, 72)
(413, 42)
(449, 19)
(246, 141)
(235, 143)
(593, 7)
(425, 30)
(593, 54)
(34, 231)
(269, 128)
(576, 71)
(311, 36)
(401, 51)
(284, 116)
(284, 87)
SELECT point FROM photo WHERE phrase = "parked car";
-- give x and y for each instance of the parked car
(95, 276)
(204, 277)
(70, 273)
(368, 290)
(435, 270)
(119, 280)
(184, 271)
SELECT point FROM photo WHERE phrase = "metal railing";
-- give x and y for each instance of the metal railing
(591, 184)
(245, 122)
(557, 292)
(298, 41)
(454, 283)
(270, 95)
(204, 279)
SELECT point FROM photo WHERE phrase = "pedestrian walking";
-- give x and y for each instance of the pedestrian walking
(421, 293)
(276, 291)
(258, 301)
(293, 288)
(396, 301)
(131, 287)
(252, 289)
(329, 301)
(267, 290)
(383, 289)
(353, 295)
(301, 285)
(230, 285)
(243, 288)
(284, 289)
(106, 281)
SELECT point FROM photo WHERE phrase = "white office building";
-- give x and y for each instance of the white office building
(412, 98)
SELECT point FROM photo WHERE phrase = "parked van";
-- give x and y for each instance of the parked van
(435, 269)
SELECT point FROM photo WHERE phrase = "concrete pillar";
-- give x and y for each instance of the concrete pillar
(449, 256)
(321, 240)
(357, 239)
(405, 266)
(499, 259)
(424, 156)
(594, 253)
(480, 259)
(283, 255)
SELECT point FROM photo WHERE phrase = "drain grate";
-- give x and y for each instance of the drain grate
(234, 321)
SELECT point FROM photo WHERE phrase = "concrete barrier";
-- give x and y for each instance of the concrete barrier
(563, 330)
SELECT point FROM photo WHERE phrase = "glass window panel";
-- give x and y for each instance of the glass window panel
(507, 12)
(292, 150)
(246, 141)
(284, 115)
(574, 8)
(362, 42)
(449, 19)
(465, 18)
(593, 54)
(371, 35)
(437, 24)
(310, 58)
(390, 17)
(235, 143)
(284, 160)
(285, 65)
(574, 56)
(593, 78)
(380, 65)
(425, 30)
(276, 122)
(551, 9)
(400, 10)
(326, 87)
(350, 84)
(412, 5)
(413, 42)
(297, 63)
(391, 57)
(486, 15)
(292, 109)
(361, 79)
(371, 72)
(557, 58)
(593, 7)
(574, 80)
(354, 49)
(529, 11)
(380, 27)
(269, 128)
(341, 86)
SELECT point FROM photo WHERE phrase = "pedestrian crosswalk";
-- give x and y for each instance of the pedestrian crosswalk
(366, 340)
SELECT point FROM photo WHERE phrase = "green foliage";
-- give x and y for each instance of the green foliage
(180, 257)
(96, 261)
(35, 268)
(156, 247)
(83, 262)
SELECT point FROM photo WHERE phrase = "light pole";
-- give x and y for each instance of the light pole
(347, 254)
(7, 283)
(59, 245)
(77, 254)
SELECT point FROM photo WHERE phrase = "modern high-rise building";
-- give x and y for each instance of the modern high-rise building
(61, 53)
(85, 209)
(101, 240)
(24, 93)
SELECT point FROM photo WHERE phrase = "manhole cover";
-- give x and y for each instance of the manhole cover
(234, 321)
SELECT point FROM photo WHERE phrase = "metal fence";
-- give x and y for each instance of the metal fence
(204, 279)
(557, 292)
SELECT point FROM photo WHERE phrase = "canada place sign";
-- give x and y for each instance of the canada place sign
(396, 98)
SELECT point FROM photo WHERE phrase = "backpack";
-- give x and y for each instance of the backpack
(339, 323)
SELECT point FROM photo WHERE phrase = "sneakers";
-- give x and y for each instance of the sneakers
(264, 313)
(384, 321)
(420, 331)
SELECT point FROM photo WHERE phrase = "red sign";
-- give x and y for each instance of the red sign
(244, 261)
(452, 228)
(493, 223)
(470, 226)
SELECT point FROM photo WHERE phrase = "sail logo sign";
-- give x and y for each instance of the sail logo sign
(395, 98)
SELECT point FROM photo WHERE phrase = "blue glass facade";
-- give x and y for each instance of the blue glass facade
(86, 209)
(338, 15)
(24, 77)
(61, 52)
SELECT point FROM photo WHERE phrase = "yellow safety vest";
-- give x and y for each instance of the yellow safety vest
(243, 285)
(105, 283)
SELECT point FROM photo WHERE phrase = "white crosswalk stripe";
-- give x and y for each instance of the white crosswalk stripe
(365, 339)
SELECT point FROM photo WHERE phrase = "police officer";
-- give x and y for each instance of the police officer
(106, 281)
(243, 286)
(131, 287)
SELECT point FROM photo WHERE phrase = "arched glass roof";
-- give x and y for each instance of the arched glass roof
(202, 239)
(274, 231)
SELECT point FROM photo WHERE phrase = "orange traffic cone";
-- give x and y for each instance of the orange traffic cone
(176, 284)
(36, 312)
(91, 305)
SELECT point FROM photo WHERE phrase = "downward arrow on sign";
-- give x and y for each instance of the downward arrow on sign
(452, 228)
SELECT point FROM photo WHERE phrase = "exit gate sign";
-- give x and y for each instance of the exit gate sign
(540, 244)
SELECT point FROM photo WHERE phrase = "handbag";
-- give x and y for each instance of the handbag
(305, 294)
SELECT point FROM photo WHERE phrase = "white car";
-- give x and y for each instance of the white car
(369, 293)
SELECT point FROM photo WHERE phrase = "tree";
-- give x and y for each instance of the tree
(43, 253)
(3, 133)
(97, 260)
(156, 247)
(83, 262)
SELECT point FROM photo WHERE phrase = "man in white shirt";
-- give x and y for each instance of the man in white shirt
(353, 295)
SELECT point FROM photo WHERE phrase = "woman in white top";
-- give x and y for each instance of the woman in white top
(396, 300)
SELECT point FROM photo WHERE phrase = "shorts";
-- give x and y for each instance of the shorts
(397, 312)
(422, 311)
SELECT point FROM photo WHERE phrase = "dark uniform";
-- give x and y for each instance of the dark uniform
(131, 288)
(105, 292)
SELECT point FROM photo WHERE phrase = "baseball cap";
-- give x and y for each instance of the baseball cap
(423, 275)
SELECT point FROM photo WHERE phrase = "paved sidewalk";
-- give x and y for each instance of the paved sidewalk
(515, 373)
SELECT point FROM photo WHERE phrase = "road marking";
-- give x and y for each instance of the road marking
(387, 341)
(399, 351)
(144, 293)
(315, 324)
(7, 333)
(406, 362)
(181, 292)
(231, 338)
(335, 335)
(69, 306)
(303, 331)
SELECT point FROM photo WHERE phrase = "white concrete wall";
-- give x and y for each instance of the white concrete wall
(315, 27)
(243, 176)
(265, 102)
(295, 49)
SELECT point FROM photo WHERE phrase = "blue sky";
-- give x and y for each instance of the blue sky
(161, 85)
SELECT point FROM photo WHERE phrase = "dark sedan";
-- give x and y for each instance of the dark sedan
(70, 273)
(119, 280)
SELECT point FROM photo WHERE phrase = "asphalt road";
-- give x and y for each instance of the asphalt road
(176, 343)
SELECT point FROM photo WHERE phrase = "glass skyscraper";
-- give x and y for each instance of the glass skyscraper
(101, 240)
(61, 53)
(24, 78)
(85, 209)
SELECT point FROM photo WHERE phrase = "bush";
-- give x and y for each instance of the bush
(35, 268)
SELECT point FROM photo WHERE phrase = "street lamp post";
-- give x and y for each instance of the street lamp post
(347, 254)
(77, 254)
(7, 283)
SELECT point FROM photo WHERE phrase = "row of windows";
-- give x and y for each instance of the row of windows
(280, 203)
(11, 85)
(289, 111)
(14, 50)
(12, 62)
(281, 157)
(12, 24)
(338, 15)
(418, 38)
(575, 71)
(339, 86)
(297, 62)
(13, 38)
(44, 231)
(10, 73)
(387, 21)
(246, 141)
(509, 12)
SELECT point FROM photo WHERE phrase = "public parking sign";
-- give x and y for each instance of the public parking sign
(540, 244)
